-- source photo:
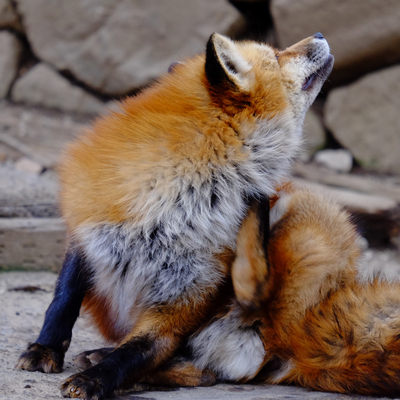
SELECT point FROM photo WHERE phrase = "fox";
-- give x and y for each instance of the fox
(321, 317)
(153, 198)
(331, 321)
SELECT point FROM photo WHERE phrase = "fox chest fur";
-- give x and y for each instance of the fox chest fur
(154, 194)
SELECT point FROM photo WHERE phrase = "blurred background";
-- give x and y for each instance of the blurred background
(62, 62)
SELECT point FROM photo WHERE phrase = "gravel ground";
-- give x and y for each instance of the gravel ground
(21, 316)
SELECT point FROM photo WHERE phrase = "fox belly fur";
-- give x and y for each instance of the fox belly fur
(154, 196)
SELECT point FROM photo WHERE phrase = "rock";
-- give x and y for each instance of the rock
(43, 86)
(38, 134)
(115, 46)
(8, 153)
(365, 183)
(32, 243)
(314, 135)
(10, 50)
(26, 165)
(24, 194)
(354, 200)
(363, 35)
(364, 117)
(8, 17)
(339, 160)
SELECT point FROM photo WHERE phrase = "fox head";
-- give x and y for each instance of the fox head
(268, 80)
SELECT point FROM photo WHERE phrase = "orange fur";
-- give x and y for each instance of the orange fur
(250, 275)
(100, 314)
(183, 116)
(337, 333)
(180, 373)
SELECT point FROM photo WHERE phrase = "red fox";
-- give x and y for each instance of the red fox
(322, 320)
(154, 196)
(333, 325)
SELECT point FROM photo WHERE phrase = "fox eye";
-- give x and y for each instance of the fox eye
(276, 56)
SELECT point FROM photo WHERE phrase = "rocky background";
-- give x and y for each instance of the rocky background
(64, 62)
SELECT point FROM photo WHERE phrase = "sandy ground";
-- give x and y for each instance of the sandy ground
(21, 317)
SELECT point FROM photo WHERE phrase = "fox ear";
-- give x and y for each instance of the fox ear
(224, 63)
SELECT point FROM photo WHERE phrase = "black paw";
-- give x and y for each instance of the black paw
(40, 358)
(80, 386)
(90, 358)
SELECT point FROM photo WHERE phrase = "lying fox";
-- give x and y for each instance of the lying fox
(333, 325)
(153, 199)
(319, 319)
(325, 322)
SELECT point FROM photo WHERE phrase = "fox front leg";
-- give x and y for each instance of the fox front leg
(47, 353)
(179, 372)
(151, 343)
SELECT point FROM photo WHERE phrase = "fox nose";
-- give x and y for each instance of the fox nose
(318, 35)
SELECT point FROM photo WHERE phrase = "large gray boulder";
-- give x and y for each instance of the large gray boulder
(26, 194)
(43, 86)
(365, 118)
(363, 35)
(115, 46)
(10, 52)
(40, 135)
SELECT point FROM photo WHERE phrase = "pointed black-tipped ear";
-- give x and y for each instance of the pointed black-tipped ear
(224, 63)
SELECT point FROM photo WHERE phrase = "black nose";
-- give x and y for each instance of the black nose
(318, 35)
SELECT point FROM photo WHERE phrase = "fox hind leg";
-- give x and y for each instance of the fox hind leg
(180, 372)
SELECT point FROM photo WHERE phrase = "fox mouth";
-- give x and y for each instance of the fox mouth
(320, 74)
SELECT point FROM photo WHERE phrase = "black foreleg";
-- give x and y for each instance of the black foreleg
(47, 353)
(157, 334)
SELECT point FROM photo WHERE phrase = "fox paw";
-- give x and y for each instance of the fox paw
(207, 378)
(80, 386)
(40, 358)
(90, 358)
